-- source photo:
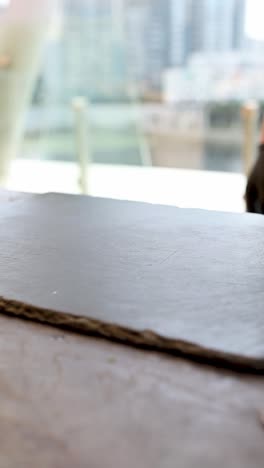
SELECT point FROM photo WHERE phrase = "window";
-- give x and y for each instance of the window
(163, 80)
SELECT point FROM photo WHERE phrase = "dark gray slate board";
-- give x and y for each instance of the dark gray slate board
(187, 281)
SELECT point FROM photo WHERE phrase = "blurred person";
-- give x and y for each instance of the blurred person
(23, 30)
(254, 196)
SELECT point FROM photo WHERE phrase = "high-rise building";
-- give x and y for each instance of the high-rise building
(109, 47)
(158, 39)
(136, 14)
(239, 37)
(196, 17)
(147, 37)
(220, 26)
(179, 18)
(205, 26)
(93, 47)
(88, 58)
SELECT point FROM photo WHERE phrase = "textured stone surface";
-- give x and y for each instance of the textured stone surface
(186, 280)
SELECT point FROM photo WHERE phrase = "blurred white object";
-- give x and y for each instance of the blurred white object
(80, 107)
(177, 187)
(254, 19)
(23, 30)
(28, 10)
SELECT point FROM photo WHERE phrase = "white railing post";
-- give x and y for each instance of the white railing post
(83, 153)
(249, 119)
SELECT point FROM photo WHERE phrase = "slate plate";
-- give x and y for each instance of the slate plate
(186, 281)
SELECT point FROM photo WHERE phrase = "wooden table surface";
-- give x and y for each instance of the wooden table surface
(72, 401)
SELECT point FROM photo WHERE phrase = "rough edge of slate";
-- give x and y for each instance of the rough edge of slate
(137, 338)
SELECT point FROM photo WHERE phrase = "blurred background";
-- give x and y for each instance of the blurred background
(152, 100)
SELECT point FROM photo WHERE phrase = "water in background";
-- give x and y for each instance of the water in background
(188, 136)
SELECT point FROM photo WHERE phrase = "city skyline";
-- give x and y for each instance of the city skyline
(130, 44)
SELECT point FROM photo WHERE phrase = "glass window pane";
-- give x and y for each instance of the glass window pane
(156, 82)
